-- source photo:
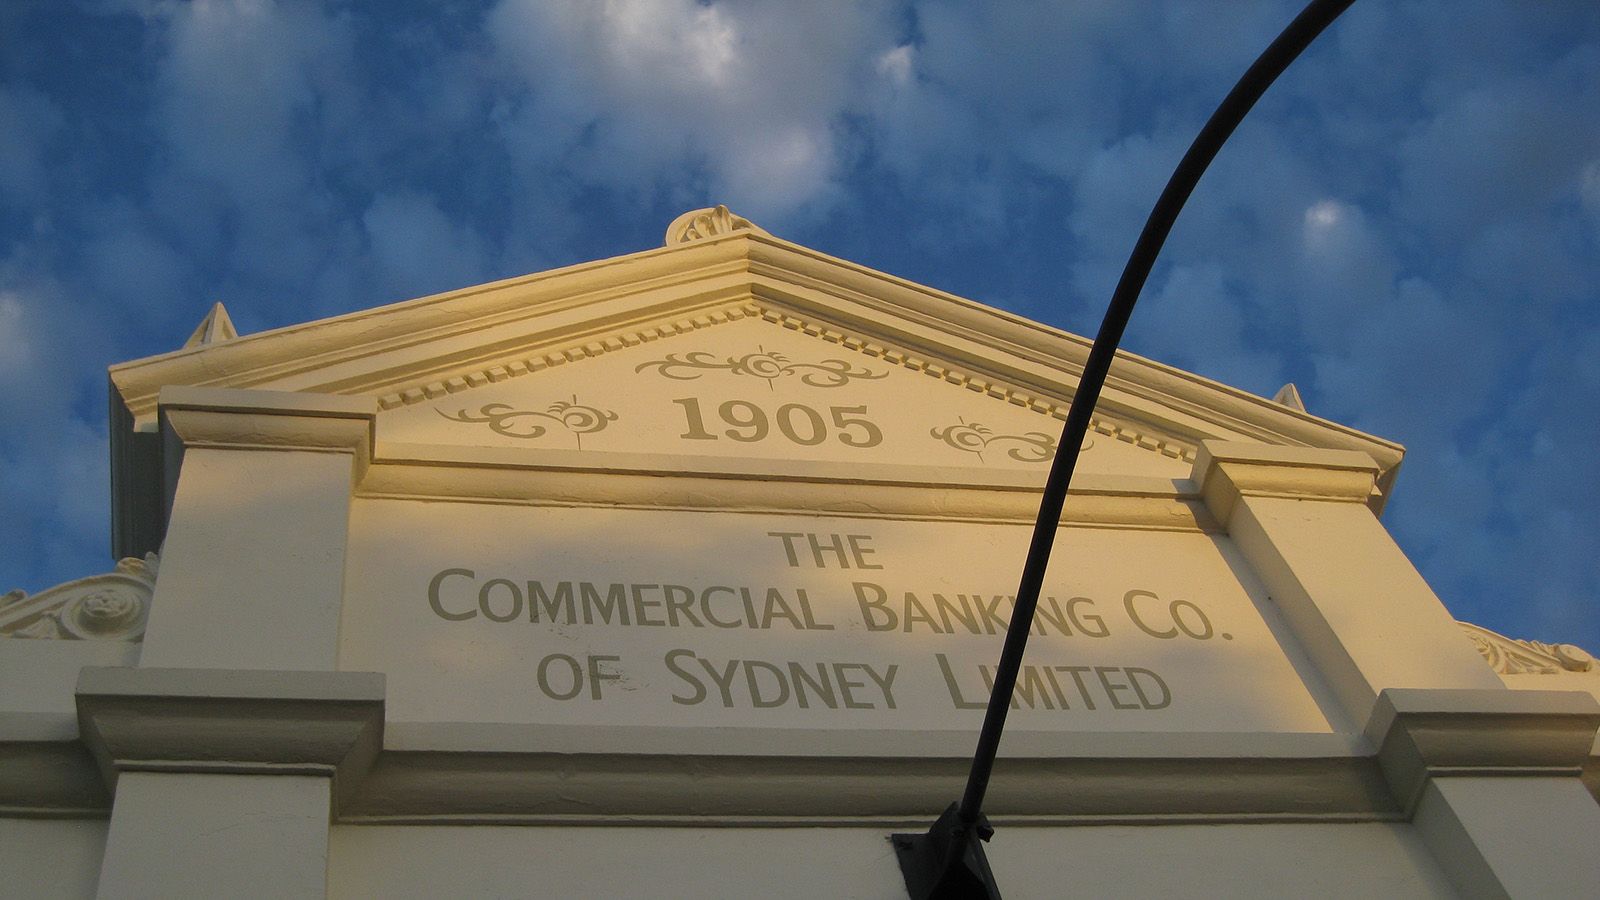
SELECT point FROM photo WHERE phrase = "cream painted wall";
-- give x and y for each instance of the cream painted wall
(805, 863)
(38, 677)
(435, 599)
(236, 836)
(47, 859)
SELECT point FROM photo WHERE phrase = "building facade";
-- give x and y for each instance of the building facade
(684, 573)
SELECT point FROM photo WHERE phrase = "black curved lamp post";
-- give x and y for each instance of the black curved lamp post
(946, 863)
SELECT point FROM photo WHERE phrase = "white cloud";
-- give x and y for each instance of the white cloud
(1498, 150)
(252, 100)
(633, 94)
(417, 249)
(1321, 216)
(56, 494)
(1589, 188)
(15, 353)
(240, 82)
(897, 64)
(29, 123)
(1192, 319)
(647, 40)
(53, 476)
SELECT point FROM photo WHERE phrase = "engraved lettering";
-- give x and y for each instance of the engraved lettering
(872, 609)
(699, 694)
(438, 605)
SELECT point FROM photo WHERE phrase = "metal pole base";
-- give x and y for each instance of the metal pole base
(946, 863)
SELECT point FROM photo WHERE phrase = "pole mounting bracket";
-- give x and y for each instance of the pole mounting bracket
(945, 863)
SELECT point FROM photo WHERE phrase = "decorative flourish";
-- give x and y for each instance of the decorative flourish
(109, 607)
(971, 437)
(830, 373)
(504, 419)
(1509, 656)
(709, 222)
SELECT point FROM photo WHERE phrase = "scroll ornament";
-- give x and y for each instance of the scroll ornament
(830, 373)
(109, 607)
(1509, 656)
(504, 419)
(705, 223)
(975, 438)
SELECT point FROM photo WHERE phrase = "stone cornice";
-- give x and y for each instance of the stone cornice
(1423, 734)
(212, 417)
(1228, 470)
(221, 418)
(500, 774)
(449, 341)
(651, 481)
(792, 274)
(178, 720)
(227, 720)
(531, 788)
(50, 779)
(549, 354)
(573, 774)
(449, 331)
(688, 279)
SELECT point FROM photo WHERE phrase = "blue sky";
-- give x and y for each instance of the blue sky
(1408, 226)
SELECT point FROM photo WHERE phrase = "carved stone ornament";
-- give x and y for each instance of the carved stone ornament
(704, 223)
(504, 419)
(1509, 656)
(972, 437)
(109, 607)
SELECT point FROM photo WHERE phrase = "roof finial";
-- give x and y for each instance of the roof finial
(216, 326)
(709, 222)
(1289, 396)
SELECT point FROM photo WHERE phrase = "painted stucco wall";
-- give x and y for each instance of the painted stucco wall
(51, 859)
(1308, 860)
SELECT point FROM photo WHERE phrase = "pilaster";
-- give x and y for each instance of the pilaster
(1303, 519)
(228, 748)
(224, 779)
(204, 836)
(258, 487)
(1491, 779)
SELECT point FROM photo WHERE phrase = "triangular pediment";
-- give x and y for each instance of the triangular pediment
(950, 383)
(754, 383)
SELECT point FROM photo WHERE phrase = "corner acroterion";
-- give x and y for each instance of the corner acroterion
(216, 326)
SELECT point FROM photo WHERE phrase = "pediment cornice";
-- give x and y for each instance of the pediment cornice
(460, 337)
(358, 353)
(722, 272)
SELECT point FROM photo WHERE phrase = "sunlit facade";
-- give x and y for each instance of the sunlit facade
(684, 573)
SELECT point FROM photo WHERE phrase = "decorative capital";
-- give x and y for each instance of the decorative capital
(1228, 470)
(239, 721)
(704, 223)
(1424, 734)
(265, 420)
(109, 607)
